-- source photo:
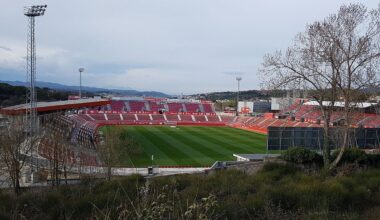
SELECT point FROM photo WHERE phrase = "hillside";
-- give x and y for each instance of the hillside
(14, 95)
(61, 87)
(243, 95)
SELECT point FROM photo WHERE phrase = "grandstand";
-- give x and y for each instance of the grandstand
(153, 105)
(80, 120)
(60, 117)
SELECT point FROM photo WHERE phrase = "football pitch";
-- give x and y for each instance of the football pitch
(188, 145)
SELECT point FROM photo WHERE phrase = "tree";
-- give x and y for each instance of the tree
(54, 145)
(116, 143)
(109, 149)
(15, 149)
(56, 151)
(337, 59)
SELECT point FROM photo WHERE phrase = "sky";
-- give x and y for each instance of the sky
(171, 46)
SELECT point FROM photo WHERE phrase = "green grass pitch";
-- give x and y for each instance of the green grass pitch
(190, 145)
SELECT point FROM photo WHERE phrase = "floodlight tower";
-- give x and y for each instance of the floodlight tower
(237, 96)
(80, 81)
(31, 98)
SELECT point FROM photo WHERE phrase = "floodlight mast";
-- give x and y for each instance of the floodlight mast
(237, 95)
(31, 98)
(80, 81)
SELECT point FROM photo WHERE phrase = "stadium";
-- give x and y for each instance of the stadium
(158, 129)
(179, 135)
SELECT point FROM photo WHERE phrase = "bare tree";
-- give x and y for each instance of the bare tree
(15, 151)
(115, 144)
(56, 151)
(337, 59)
(54, 145)
(109, 148)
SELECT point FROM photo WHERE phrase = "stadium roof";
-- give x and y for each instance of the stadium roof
(341, 104)
(56, 106)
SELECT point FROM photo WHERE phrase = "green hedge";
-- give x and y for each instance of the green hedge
(303, 156)
(354, 155)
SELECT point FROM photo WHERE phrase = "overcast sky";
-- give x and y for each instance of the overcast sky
(172, 46)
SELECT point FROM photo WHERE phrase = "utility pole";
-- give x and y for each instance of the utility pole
(80, 81)
(237, 96)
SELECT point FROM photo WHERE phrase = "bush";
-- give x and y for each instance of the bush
(6, 203)
(352, 155)
(373, 160)
(278, 191)
(303, 156)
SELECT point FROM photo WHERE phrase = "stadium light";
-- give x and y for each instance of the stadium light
(80, 81)
(35, 10)
(31, 97)
(237, 96)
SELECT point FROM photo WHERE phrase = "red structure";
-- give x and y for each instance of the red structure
(45, 107)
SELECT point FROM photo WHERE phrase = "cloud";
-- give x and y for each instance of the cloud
(5, 48)
(234, 73)
(172, 46)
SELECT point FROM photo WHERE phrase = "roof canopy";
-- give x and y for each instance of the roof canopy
(341, 104)
(56, 106)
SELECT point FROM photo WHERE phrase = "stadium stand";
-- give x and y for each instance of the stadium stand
(200, 118)
(156, 106)
(97, 117)
(298, 115)
(158, 117)
(372, 121)
(129, 117)
(213, 118)
(172, 117)
(302, 111)
(113, 117)
(143, 117)
(77, 119)
(192, 107)
(207, 108)
(82, 127)
(313, 116)
(47, 150)
(357, 117)
(186, 118)
(87, 117)
(117, 105)
(227, 119)
(175, 107)
(137, 106)
(76, 128)
(151, 105)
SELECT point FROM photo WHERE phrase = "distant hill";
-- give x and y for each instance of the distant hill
(243, 95)
(61, 87)
(14, 95)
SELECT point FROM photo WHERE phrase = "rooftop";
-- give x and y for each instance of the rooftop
(56, 105)
(341, 104)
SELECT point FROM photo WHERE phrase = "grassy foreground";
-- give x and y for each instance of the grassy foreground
(189, 145)
(277, 192)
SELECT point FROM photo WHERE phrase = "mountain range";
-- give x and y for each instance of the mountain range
(61, 87)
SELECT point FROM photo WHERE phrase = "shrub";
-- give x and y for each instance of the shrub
(352, 155)
(6, 203)
(302, 155)
(373, 160)
(277, 171)
(278, 191)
